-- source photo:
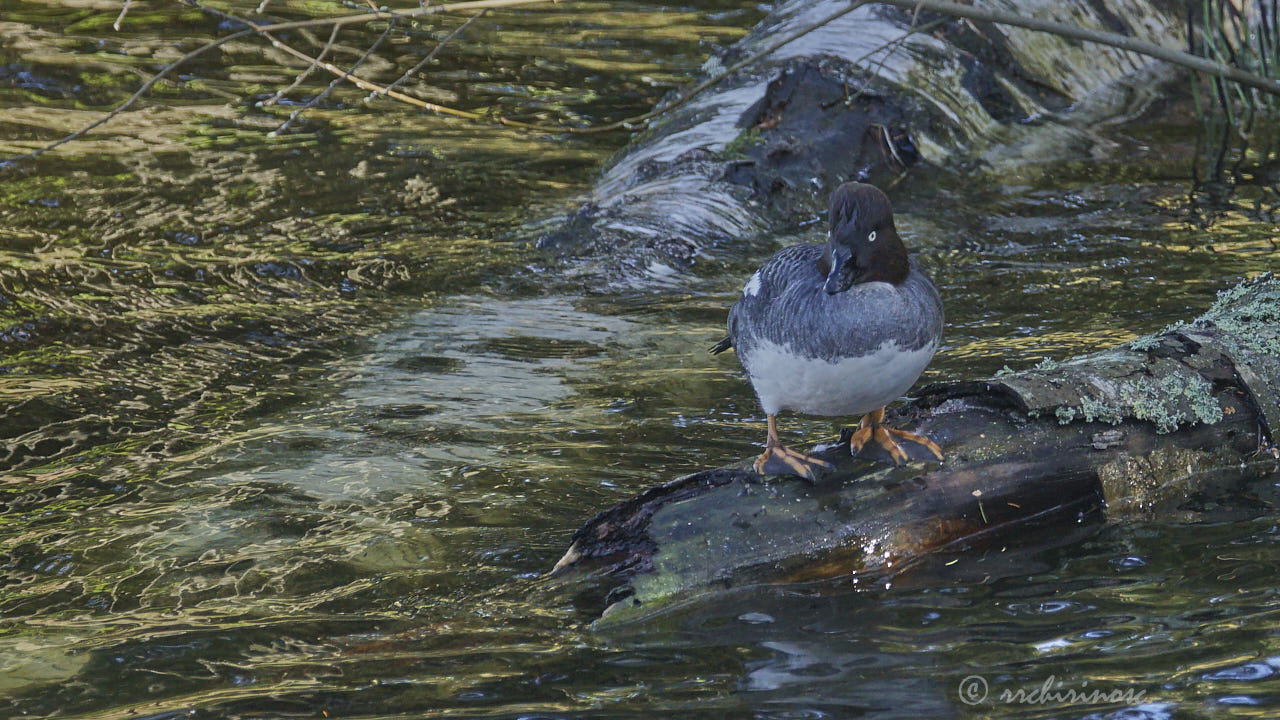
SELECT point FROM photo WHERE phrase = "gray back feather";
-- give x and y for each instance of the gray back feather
(791, 308)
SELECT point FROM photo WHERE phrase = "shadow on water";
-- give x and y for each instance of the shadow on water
(292, 426)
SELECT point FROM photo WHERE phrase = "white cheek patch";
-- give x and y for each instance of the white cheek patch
(753, 285)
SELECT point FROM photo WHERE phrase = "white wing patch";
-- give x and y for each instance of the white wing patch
(753, 285)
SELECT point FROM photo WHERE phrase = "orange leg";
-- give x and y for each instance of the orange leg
(779, 460)
(871, 427)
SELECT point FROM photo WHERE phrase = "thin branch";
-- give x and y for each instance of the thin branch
(370, 86)
(892, 46)
(1183, 59)
(898, 40)
(212, 44)
(430, 56)
(146, 87)
(324, 93)
(629, 123)
(1122, 42)
(120, 18)
(306, 73)
(402, 14)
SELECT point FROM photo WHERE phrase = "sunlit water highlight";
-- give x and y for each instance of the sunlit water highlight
(293, 427)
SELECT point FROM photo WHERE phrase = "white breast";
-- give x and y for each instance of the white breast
(785, 380)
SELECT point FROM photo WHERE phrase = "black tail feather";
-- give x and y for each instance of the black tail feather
(721, 346)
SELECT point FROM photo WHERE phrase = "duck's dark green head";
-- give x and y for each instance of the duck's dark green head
(862, 243)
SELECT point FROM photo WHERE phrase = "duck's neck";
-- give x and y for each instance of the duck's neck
(889, 264)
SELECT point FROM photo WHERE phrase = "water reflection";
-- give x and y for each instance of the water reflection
(376, 545)
(289, 432)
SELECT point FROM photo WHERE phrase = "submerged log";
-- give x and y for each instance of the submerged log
(1127, 430)
(866, 97)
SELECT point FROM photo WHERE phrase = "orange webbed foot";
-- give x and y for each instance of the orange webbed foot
(780, 460)
(921, 440)
(871, 427)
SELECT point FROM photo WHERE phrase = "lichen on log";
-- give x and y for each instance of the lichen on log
(1168, 378)
(1126, 430)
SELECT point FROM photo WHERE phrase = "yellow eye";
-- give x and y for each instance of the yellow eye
(872, 236)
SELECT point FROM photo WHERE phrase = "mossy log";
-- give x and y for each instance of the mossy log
(1134, 429)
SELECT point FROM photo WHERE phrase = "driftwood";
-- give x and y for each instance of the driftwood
(1127, 430)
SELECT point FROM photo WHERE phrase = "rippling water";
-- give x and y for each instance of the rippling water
(292, 425)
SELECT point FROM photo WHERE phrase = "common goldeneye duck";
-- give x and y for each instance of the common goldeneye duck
(840, 328)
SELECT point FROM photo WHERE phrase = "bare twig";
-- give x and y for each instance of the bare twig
(1183, 59)
(120, 18)
(430, 56)
(912, 30)
(892, 47)
(629, 123)
(374, 87)
(213, 44)
(146, 87)
(1122, 42)
(306, 72)
(324, 93)
(402, 14)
